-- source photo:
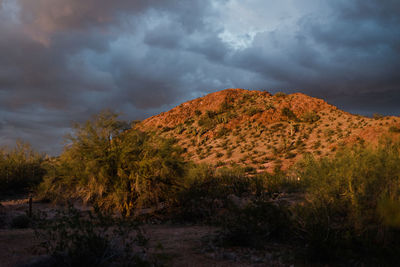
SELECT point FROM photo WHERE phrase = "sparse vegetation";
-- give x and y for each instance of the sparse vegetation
(310, 117)
(92, 239)
(253, 111)
(287, 112)
(277, 180)
(394, 129)
(280, 94)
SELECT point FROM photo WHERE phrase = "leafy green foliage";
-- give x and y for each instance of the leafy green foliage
(20, 168)
(349, 202)
(206, 191)
(123, 170)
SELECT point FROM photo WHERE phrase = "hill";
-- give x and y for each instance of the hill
(264, 131)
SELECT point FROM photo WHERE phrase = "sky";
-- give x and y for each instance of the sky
(63, 61)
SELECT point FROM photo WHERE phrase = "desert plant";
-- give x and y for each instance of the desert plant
(74, 238)
(206, 191)
(253, 111)
(104, 165)
(310, 117)
(280, 94)
(348, 199)
(394, 129)
(21, 168)
(288, 113)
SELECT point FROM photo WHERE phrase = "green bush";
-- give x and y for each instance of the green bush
(112, 168)
(206, 192)
(280, 181)
(349, 203)
(21, 168)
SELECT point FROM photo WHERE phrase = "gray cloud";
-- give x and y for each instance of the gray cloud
(61, 61)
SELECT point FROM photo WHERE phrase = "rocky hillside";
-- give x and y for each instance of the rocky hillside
(263, 131)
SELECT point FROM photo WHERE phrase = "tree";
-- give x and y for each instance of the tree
(106, 164)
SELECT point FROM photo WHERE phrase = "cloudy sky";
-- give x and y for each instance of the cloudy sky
(63, 60)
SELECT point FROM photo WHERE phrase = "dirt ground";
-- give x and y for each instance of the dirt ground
(181, 245)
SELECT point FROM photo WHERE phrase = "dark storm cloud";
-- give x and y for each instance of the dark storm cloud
(350, 58)
(61, 61)
(56, 56)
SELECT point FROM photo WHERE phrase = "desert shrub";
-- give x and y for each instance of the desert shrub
(74, 238)
(310, 117)
(249, 169)
(209, 120)
(206, 191)
(290, 155)
(329, 132)
(226, 105)
(180, 128)
(211, 114)
(222, 132)
(280, 94)
(229, 153)
(394, 129)
(317, 144)
(103, 165)
(166, 129)
(280, 181)
(21, 168)
(269, 106)
(189, 121)
(288, 113)
(253, 111)
(377, 116)
(348, 201)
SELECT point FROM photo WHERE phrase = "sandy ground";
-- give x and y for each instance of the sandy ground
(182, 245)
